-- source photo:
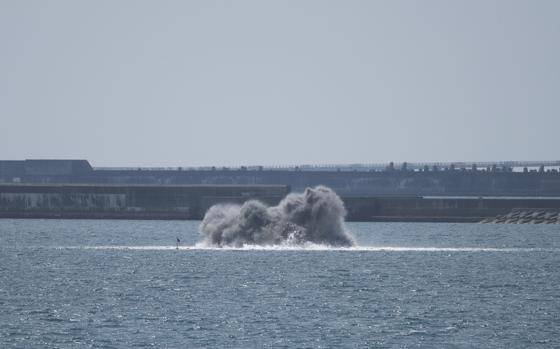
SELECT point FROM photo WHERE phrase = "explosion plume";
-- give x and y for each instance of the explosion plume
(314, 216)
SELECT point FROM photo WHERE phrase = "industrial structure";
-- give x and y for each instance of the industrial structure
(377, 192)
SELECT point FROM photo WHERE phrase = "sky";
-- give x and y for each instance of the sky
(230, 83)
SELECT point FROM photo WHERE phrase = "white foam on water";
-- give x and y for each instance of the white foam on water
(121, 247)
(312, 247)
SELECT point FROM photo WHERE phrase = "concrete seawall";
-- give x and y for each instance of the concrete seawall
(126, 201)
(192, 201)
(440, 209)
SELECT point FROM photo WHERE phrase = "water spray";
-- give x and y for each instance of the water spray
(314, 216)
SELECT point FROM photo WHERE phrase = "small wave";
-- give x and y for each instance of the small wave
(124, 247)
(312, 247)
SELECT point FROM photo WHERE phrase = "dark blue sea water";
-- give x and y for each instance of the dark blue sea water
(121, 284)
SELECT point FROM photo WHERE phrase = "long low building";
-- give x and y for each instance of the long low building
(350, 181)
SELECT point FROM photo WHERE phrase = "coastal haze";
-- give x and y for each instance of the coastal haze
(173, 83)
(251, 174)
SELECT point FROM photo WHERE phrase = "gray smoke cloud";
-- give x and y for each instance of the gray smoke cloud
(316, 216)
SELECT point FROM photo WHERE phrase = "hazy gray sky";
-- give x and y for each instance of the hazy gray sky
(170, 83)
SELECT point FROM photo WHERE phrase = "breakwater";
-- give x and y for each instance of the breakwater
(192, 201)
(527, 216)
(126, 201)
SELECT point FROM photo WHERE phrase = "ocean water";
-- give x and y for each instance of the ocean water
(122, 284)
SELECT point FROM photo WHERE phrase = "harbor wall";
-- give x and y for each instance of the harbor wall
(439, 209)
(192, 201)
(126, 202)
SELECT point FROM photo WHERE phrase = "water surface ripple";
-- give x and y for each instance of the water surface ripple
(121, 284)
